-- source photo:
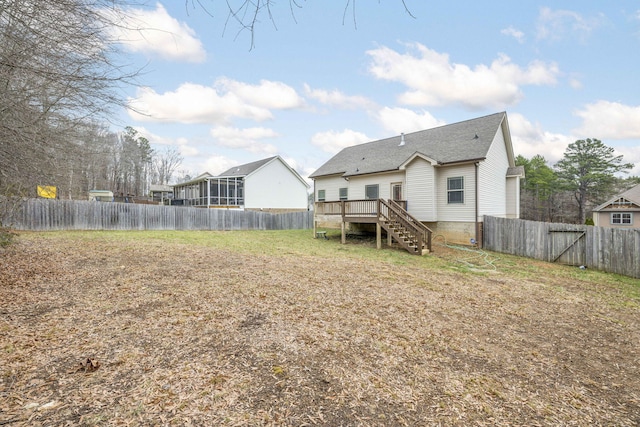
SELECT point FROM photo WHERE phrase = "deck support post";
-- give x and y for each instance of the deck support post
(378, 236)
(344, 233)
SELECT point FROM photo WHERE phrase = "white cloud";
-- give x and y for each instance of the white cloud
(575, 83)
(267, 94)
(631, 155)
(215, 165)
(513, 32)
(185, 149)
(530, 140)
(558, 24)
(218, 104)
(433, 80)
(192, 103)
(400, 120)
(610, 120)
(337, 99)
(332, 141)
(153, 138)
(249, 139)
(181, 143)
(155, 32)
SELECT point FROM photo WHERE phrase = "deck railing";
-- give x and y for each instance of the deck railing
(369, 207)
(381, 210)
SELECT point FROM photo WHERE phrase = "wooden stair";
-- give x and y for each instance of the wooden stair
(410, 233)
(404, 237)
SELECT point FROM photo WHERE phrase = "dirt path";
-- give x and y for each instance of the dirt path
(122, 332)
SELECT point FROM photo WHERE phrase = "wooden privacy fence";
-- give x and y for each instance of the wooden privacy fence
(601, 248)
(43, 214)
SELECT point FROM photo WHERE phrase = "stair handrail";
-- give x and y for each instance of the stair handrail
(395, 213)
(410, 221)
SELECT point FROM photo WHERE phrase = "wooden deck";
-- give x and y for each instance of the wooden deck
(391, 215)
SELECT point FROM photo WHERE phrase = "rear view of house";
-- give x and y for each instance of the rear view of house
(446, 178)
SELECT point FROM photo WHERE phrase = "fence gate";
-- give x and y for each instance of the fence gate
(568, 245)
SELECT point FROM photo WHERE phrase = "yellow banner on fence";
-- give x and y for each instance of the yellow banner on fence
(47, 191)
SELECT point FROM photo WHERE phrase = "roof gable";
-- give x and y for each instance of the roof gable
(250, 168)
(458, 142)
(629, 199)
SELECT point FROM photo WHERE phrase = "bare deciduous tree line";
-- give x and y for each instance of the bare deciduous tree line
(61, 78)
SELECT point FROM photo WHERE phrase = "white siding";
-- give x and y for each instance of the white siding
(357, 184)
(513, 197)
(456, 211)
(492, 180)
(274, 186)
(421, 190)
(331, 186)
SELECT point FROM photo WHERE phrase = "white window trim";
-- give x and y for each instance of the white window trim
(622, 219)
(377, 191)
(346, 195)
(458, 190)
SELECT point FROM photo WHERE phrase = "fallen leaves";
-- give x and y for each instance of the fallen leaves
(186, 334)
(87, 365)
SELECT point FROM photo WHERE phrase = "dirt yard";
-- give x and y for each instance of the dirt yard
(109, 330)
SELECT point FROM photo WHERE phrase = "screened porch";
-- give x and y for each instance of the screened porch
(212, 192)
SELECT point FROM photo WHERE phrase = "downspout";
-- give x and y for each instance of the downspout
(315, 235)
(477, 224)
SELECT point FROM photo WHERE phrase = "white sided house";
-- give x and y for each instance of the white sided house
(269, 184)
(447, 178)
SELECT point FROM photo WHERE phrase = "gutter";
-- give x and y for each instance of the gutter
(462, 162)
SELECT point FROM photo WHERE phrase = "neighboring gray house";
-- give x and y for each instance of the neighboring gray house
(447, 177)
(622, 210)
(268, 184)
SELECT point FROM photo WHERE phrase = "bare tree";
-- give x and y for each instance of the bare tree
(248, 14)
(58, 68)
(165, 164)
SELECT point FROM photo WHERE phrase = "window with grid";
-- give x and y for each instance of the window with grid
(455, 189)
(622, 218)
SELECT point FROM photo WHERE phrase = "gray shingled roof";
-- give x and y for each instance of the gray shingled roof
(516, 171)
(246, 169)
(457, 142)
(632, 195)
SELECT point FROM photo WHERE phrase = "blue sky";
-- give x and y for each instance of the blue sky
(317, 81)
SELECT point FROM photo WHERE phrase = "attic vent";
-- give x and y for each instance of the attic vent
(401, 140)
(476, 136)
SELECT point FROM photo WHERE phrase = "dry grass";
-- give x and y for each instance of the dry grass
(190, 329)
